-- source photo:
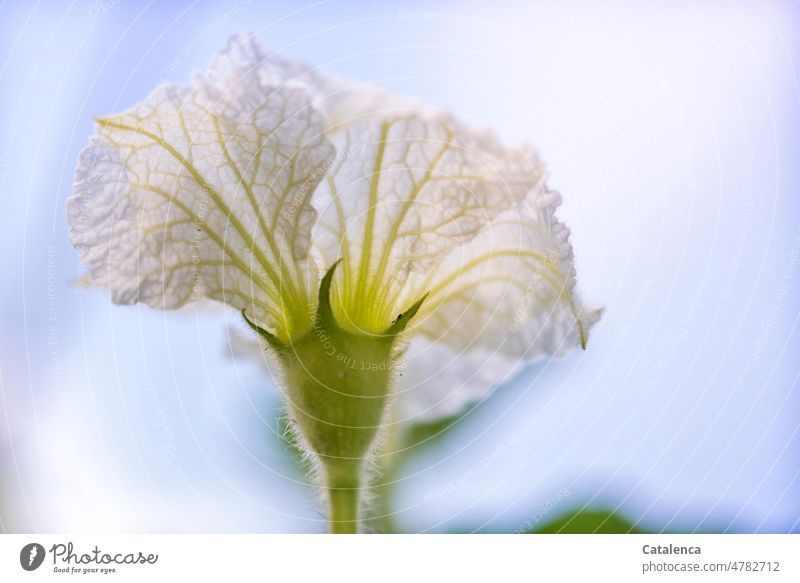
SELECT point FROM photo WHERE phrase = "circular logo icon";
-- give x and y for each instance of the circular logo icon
(31, 556)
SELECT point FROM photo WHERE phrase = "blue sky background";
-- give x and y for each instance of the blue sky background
(672, 131)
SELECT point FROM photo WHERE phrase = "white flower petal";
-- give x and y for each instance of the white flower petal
(403, 193)
(439, 381)
(510, 288)
(205, 191)
(499, 310)
(502, 301)
(340, 101)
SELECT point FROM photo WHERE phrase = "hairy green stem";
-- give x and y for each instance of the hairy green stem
(343, 504)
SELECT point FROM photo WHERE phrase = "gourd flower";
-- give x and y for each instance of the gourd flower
(358, 234)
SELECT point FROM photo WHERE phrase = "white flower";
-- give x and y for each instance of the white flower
(249, 184)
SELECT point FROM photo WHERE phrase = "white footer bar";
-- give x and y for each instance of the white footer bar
(409, 558)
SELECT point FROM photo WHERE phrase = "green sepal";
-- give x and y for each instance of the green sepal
(325, 315)
(271, 339)
(400, 323)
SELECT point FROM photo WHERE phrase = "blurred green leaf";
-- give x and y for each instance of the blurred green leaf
(423, 435)
(588, 522)
(399, 445)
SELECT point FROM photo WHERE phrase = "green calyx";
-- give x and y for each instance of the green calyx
(338, 385)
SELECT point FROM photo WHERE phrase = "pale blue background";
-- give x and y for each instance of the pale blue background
(672, 130)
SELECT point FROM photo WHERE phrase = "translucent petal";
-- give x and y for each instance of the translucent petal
(497, 304)
(438, 381)
(402, 194)
(510, 288)
(340, 101)
(501, 301)
(204, 191)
